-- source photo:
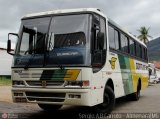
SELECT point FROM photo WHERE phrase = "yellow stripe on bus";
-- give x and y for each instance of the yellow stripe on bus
(71, 74)
(134, 75)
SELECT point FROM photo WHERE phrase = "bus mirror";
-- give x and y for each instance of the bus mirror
(100, 38)
(11, 36)
(8, 46)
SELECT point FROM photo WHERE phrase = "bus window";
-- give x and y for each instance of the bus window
(116, 38)
(132, 47)
(146, 55)
(111, 37)
(103, 30)
(124, 43)
(138, 50)
(143, 53)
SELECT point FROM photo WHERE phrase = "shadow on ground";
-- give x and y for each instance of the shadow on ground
(72, 112)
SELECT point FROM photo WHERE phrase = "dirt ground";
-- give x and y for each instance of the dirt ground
(5, 94)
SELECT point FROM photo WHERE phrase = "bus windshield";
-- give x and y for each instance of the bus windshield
(60, 40)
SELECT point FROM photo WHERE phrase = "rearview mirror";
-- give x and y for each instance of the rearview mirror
(11, 36)
(9, 46)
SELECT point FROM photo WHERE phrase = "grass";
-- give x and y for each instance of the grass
(5, 81)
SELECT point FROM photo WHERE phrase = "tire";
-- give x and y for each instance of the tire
(49, 108)
(155, 82)
(135, 96)
(108, 102)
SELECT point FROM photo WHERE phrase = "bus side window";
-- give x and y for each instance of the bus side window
(124, 43)
(146, 54)
(143, 53)
(103, 30)
(111, 37)
(132, 47)
(116, 39)
(138, 50)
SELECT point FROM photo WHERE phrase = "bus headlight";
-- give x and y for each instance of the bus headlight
(77, 83)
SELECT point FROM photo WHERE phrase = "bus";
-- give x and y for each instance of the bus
(76, 57)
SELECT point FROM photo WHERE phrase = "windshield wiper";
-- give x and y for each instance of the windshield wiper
(54, 53)
(34, 52)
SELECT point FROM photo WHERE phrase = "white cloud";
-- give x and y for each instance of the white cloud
(130, 14)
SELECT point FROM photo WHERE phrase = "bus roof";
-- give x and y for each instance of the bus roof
(64, 11)
(79, 10)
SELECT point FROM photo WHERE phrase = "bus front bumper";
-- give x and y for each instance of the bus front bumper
(81, 97)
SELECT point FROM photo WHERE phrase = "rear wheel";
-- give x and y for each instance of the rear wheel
(135, 96)
(108, 101)
(48, 107)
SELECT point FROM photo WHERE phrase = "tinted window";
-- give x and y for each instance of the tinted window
(146, 55)
(68, 40)
(138, 50)
(124, 43)
(103, 30)
(132, 47)
(143, 53)
(111, 37)
(34, 32)
(116, 38)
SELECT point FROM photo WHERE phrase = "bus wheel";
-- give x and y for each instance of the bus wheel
(108, 102)
(135, 96)
(48, 107)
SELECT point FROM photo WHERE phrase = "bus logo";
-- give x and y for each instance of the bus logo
(113, 62)
(44, 84)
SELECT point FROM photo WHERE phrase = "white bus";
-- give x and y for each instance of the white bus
(76, 57)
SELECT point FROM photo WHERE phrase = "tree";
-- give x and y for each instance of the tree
(144, 34)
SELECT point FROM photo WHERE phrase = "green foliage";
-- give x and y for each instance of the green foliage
(144, 34)
(5, 81)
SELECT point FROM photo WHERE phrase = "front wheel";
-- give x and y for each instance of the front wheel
(50, 108)
(108, 101)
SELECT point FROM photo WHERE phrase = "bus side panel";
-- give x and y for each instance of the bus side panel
(127, 76)
(112, 71)
(142, 71)
(132, 70)
(145, 82)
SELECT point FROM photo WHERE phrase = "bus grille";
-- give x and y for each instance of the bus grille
(45, 97)
(48, 83)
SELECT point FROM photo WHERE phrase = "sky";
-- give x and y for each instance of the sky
(129, 14)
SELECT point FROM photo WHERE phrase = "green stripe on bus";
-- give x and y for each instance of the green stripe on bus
(126, 73)
(53, 75)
